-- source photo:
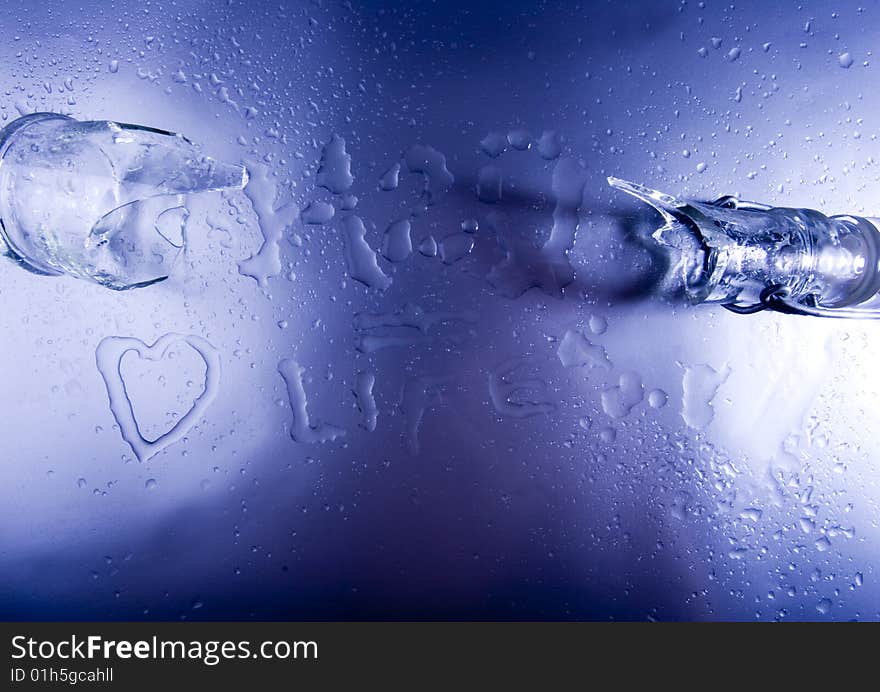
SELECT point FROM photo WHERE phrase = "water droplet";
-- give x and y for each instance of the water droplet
(657, 398)
(549, 145)
(575, 350)
(361, 258)
(607, 434)
(151, 484)
(598, 324)
(520, 139)
(699, 386)
(390, 179)
(618, 401)
(470, 226)
(494, 144)
(366, 403)
(455, 247)
(318, 213)
(432, 165)
(397, 242)
(334, 173)
(845, 60)
(428, 247)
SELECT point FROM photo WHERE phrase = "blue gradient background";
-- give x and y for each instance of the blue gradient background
(496, 518)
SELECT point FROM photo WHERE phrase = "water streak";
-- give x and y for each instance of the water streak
(302, 429)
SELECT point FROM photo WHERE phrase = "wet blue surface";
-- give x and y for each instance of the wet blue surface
(666, 461)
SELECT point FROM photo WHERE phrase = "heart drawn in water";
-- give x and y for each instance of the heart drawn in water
(108, 357)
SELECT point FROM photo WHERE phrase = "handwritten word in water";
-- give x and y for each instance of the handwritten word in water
(334, 175)
(511, 393)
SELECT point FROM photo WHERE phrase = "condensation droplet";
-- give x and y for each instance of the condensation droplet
(428, 247)
(598, 324)
(657, 398)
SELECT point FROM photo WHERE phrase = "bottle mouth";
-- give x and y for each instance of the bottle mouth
(693, 261)
(100, 200)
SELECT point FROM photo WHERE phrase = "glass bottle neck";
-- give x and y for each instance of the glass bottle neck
(832, 262)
